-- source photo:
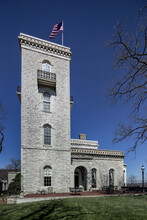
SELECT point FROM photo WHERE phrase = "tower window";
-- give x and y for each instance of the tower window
(46, 66)
(47, 176)
(46, 102)
(47, 134)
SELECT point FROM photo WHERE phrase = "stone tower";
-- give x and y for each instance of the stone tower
(45, 115)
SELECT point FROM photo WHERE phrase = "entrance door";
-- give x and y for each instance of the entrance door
(76, 179)
(80, 176)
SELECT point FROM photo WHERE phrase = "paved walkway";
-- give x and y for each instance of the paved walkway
(2, 203)
(41, 197)
(87, 193)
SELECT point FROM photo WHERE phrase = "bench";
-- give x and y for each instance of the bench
(75, 190)
(45, 191)
(41, 191)
(109, 189)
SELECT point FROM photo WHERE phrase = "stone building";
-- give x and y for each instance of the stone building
(50, 159)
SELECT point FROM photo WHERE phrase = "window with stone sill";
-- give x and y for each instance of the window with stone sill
(47, 175)
(47, 134)
(46, 102)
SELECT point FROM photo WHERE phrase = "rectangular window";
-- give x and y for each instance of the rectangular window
(46, 106)
(46, 67)
(47, 181)
(46, 102)
(47, 176)
(47, 134)
(47, 140)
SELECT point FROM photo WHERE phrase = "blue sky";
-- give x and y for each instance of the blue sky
(87, 27)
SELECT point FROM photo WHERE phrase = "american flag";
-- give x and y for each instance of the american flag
(56, 29)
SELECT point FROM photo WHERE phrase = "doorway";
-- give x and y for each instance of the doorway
(80, 177)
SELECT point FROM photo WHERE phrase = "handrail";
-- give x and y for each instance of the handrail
(46, 75)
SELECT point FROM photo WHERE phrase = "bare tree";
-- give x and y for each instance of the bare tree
(14, 164)
(132, 180)
(130, 59)
(2, 117)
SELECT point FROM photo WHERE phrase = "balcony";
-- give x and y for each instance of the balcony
(46, 78)
(19, 93)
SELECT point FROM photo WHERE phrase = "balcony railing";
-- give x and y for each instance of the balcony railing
(46, 78)
(46, 75)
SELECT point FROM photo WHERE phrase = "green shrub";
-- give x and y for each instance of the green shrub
(15, 186)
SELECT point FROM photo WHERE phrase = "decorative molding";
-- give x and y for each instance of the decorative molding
(83, 153)
(43, 45)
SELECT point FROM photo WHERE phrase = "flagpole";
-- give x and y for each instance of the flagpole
(62, 34)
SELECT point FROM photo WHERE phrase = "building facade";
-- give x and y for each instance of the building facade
(6, 177)
(50, 159)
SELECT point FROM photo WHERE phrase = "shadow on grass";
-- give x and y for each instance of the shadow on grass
(57, 210)
(122, 208)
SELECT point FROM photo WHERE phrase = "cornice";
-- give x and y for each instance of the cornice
(42, 45)
(95, 153)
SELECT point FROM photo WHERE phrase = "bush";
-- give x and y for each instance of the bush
(15, 186)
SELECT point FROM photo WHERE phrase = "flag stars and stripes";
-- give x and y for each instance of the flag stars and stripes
(56, 29)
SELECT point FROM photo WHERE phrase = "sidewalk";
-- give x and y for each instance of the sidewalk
(87, 193)
(41, 197)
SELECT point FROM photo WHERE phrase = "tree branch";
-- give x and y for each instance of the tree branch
(1, 141)
(131, 83)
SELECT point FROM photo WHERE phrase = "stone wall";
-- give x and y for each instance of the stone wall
(34, 154)
(102, 165)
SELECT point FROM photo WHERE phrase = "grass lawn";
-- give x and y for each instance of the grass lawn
(124, 207)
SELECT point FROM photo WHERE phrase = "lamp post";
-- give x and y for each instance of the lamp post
(142, 168)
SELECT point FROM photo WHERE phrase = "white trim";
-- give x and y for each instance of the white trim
(44, 52)
(45, 41)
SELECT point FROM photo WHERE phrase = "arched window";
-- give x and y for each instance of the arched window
(46, 66)
(47, 175)
(93, 178)
(46, 101)
(111, 177)
(47, 134)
